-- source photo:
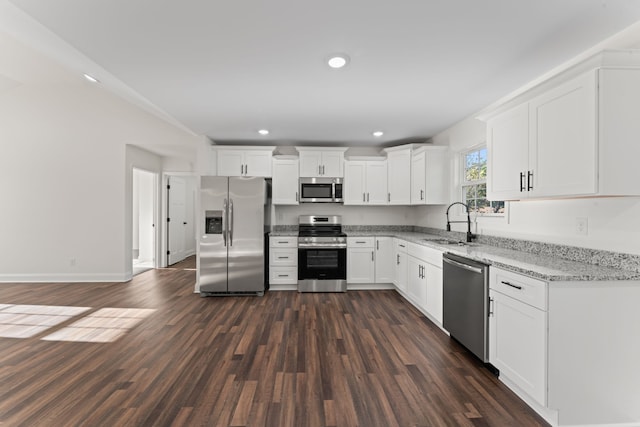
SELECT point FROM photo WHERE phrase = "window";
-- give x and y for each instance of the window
(474, 183)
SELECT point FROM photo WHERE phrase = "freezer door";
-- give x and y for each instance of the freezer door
(246, 234)
(212, 248)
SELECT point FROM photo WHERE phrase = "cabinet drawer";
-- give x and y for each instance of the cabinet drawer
(283, 275)
(400, 245)
(283, 257)
(283, 241)
(522, 288)
(360, 242)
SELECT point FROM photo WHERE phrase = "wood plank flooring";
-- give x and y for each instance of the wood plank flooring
(364, 358)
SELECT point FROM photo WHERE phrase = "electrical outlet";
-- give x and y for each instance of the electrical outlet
(582, 226)
(72, 262)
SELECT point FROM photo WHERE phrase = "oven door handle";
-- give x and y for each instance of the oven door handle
(312, 246)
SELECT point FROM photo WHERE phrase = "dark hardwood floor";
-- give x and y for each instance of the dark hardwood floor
(364, 358)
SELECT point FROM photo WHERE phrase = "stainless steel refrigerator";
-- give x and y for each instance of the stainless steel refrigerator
(231, 245)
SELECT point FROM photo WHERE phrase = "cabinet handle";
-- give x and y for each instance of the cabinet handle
(398, 259)
(319, 170)
(241, 169)
(402, 246)
(372, 256)
(283, 257)
(522, 187)
(389, 197)
(322, 169)
(283, 242)
(529, 180)
(378, 245)
(367, 197)
(511, 284)
(358, 241)
(283, 275)
(363, 197)
(297, 197)
(421, 194)
(490, 307)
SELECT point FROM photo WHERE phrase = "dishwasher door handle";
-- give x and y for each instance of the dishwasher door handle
(461, 265)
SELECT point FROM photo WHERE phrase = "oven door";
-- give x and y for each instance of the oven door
(322, 264)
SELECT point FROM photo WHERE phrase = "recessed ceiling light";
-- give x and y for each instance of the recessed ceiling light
(91, 78)
(378, 133)
(263, 132)
(338, 60)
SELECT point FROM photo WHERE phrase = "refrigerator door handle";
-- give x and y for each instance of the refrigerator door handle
(230, 222)
(225, 222)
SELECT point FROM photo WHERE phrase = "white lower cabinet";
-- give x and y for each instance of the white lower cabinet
(400, 266)
(283, 260)
(360, 260)
(385, 267)
(424, 280)
(518, 331)
(416, 282)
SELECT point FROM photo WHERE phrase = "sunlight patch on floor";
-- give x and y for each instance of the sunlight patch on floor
(104, 325)
(25, 321)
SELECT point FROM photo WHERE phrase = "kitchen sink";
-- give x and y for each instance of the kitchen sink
(449, 242)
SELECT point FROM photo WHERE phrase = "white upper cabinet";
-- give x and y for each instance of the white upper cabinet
(285, 181)
(508, 154)
(399, 175)
(365, 182)
(574, 139)
(244, 161)
(321, 162)
(430, 176)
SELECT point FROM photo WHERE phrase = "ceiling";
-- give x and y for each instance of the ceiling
(226, 69)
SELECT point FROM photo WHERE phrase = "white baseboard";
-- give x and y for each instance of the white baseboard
(65, 277)
(369, 286)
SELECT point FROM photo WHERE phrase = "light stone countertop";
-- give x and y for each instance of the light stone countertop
(544, 267)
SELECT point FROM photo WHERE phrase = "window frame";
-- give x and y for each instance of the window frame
(464, 183)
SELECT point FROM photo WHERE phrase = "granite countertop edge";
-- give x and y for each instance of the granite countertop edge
(543, 267)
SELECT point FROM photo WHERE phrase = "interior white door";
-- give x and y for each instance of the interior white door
(177, 220)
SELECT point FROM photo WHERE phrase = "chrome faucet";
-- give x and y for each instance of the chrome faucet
(470, 235)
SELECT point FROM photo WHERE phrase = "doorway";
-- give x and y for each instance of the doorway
(181, 241)
(145, 185)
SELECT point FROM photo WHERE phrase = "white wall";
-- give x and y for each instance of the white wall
(66, 172)
(613, 223)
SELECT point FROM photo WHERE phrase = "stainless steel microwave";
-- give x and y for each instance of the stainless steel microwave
(321, 190)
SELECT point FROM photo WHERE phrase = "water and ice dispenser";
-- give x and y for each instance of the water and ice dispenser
(213, 222)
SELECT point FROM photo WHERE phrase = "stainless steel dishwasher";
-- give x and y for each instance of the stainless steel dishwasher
(466, 303)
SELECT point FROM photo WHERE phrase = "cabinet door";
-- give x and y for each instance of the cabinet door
(507, 150)
(310, 162)
(563, 139)
(434, 291)
(332, 164)
(376, 183)
(518, 344)
(401, 271)
(360, 265)
(399, 177)
(418, 179)
(354, 191)
(258, 163)
(416, 286)
(285, 182)
(230, 163)
(436, 176)
(385, 267)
